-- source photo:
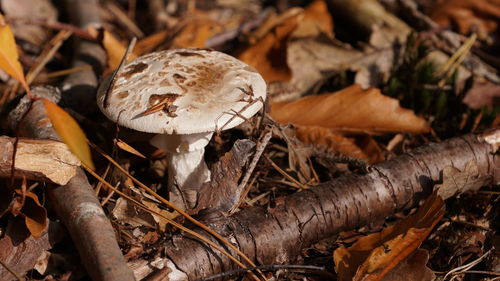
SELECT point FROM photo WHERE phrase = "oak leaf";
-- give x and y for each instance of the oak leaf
(458, 182)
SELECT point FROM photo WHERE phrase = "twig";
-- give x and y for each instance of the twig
(300, 268)
(261, 146)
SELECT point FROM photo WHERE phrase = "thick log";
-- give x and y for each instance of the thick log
(276, 235)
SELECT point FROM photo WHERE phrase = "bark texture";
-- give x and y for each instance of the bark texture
(42, 160)
(274, 236)
(75, 202)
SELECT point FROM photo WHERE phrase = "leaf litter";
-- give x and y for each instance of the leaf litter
(339, 93)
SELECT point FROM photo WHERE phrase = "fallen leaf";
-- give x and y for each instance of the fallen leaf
(148, 44)
(483, 94)
(162, 220)
(124, 146)
(125, 211)
(269, 54)
(21, 254)
(350, 110)
(413, 268)
(335, 142)
(373, 256)
(27, 205)
(458, 182)
(70, 132)
(371, 148)
(115, 49)
(9, 58)
(316, 19)
(35, 215)
(480, 16)
(24, 11)
(196, 31)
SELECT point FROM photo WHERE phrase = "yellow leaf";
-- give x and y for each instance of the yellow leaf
(70, 132)
(9, 58)
(113, 47)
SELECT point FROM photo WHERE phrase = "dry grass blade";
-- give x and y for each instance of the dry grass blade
(286, 175)
(47, 54)
(449, 67)
(180, 211)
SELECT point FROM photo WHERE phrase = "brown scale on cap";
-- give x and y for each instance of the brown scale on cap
(189, 54)
(133, 69)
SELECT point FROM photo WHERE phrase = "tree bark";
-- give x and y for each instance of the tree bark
(41, 160)
(276, 235)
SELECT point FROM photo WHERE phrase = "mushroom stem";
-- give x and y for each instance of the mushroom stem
(187, 169)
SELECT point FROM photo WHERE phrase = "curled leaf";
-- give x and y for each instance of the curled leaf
(373, 256)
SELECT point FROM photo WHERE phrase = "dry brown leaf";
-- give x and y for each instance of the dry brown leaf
(196, 31)
(413, 268)
(42, 10)
(316, 20)
(21, 254)
(27, 205)
(483, 94)
(479, 16)
(125, 211)
(163, 220)
(373, 256)
(148, 44)
(335, 142)
(458, 182)
(269, 55)
(35, 215)
(350, 110)
(371, 148)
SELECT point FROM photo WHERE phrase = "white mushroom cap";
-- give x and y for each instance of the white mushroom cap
(183, 91)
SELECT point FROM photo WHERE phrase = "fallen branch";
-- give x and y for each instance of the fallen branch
(75, 202)
(276, 235)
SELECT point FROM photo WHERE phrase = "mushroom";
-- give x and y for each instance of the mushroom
(183, 95)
